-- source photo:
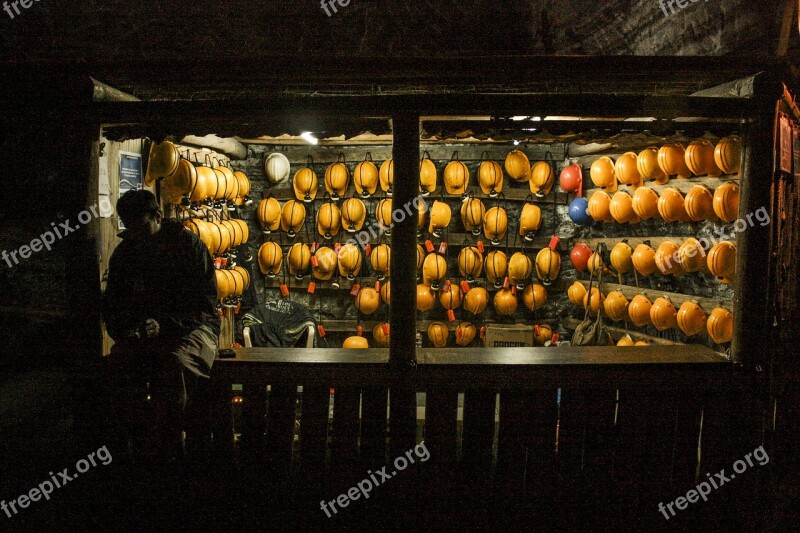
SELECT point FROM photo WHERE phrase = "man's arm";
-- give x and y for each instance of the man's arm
(120, 322)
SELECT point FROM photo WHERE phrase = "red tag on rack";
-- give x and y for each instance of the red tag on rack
(385, 328)
(224, 262)
(483, 332)
(354, 289)
(377, 286)
(443, 248)
(321, 330)
(465, 286)
(480, 246)
(447, 285)
(219, 312)
(554, 240)
(429, 246)
(284, 290)
(505, 283)
(368, 249)
(218, 263)
(238, 307)
(314, 247)
(451, 315)
(536, 329)
(337, 247)
(514, 290)
(459, 333)
(314, 261)
(360, 330)
(554, 340)
(312, 287)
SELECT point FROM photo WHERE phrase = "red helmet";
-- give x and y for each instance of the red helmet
(579, 256)
(571, 179)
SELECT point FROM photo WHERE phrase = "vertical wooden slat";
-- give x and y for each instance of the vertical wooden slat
(313, 438)
(541, 463)
(373, 426)
(280, 430)
(254, 394)
(476, 463)
(441, 430)
(222, 421)
(513, 443)
(345, 430)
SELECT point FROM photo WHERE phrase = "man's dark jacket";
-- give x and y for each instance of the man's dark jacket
(169, 277)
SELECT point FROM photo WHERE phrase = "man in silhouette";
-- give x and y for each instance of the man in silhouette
(160, 308)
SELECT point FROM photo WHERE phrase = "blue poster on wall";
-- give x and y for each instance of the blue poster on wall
(130, 174)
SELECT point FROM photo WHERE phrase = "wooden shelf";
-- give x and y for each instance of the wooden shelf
(683, 185)
(617, 333)
(706, 304)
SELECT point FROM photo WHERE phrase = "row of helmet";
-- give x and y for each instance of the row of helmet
(689, 318)
(185, 182)
(219, 236)
(669, 259)
(476, 299)
(500, 270)
(700, 158)
(367, 176)
(231, 282)
(438, 333)
(671, 206)
(323, 262)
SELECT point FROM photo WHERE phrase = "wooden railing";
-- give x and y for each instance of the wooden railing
(559, 435)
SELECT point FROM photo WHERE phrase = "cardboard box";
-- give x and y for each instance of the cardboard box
(505, 336)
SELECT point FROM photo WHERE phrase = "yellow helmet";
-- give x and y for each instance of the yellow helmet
(645, 203)
(542, 333)
(163, 161)
(602, 174)
(593, 301)
(625, 340)
(616, 306)
(530, 220)
(726, 202)
(470, 263)
(576, 292)
(350, 261)
(699, 204)
(305, 184)
(367, 300)
(621, 208)
(329, 220)
(475, 300)
(535, 296)
(728, 154)
(505, 303)
(354, 213)
(548, 265)
(639, 310)
(600, 206)
(269, 214)
(427, 175)
(386, 176)
(692, 256)
(355, 342)
(472, 212)
(379, 259)
(450, 296)
(644, 260)
(720, 325)
(520, 268)
(666, 259)
(299, 259)
(365, 177)
(420, 257)
(293, 216)
(386, 292)
(383, 214)
(325, 263)
(490, 178)
(438, 334)
(440, 218)
(337, 178)
(722, 261)
(495, 224)
(626, 170)
(270, 259)
(380, 334)
(496, 267)
(622, 258)
(518, 166)
(671, 206)
(699, 157)
(542, 179)
(456, 177)
(663, 314)
(672, 160)
(647, 164)
(465, 333)
(691, 318)
(434, 269)
(425, 298)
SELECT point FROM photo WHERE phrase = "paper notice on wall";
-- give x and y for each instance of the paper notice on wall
(103, 187)
(786, 145)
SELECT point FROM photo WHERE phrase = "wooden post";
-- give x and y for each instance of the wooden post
(403, 314)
